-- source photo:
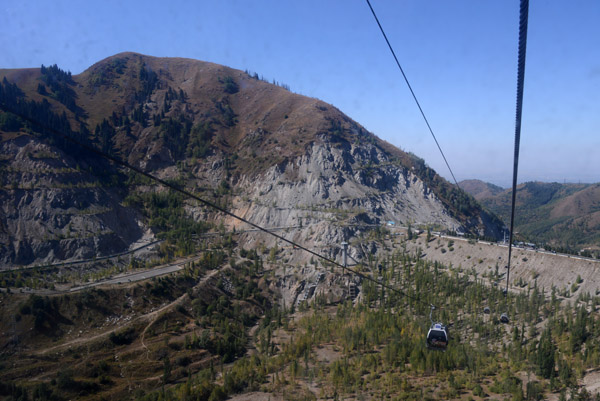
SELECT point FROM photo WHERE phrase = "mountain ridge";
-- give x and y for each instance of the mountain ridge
(561, 216)
(223, 134)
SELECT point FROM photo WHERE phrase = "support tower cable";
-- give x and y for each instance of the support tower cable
(524, 16)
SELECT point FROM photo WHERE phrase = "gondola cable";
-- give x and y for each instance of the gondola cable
(523, 20)
(413, 93)
(188, 194)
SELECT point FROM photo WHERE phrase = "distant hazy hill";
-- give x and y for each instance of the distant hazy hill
(480, 190)
(562, 215)
(275, 157)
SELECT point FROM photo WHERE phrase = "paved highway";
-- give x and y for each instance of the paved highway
(121, 279)
(138, 276)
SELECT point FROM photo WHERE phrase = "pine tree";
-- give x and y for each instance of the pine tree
(545, 355)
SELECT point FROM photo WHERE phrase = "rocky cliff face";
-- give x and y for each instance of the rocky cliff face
(343, 179)
(276, 158)
(53, 209)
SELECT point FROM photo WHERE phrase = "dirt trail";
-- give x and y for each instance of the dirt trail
(142, 318)
(591, 381)
(156, 314)
(87, 339)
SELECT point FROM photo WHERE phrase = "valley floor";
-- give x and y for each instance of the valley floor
(214, 329)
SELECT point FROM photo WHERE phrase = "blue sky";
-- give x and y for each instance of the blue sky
(460, 57)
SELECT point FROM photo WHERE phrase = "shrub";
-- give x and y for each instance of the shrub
(183, 361)
(229, 85)
(123, 338)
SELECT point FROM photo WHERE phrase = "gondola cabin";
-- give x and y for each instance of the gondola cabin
(437, 337)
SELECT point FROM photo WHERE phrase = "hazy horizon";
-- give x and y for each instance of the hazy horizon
(509, 184)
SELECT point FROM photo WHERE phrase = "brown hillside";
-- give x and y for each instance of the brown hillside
(558, 215)
(269, 120)
(578, 204)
